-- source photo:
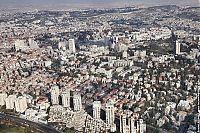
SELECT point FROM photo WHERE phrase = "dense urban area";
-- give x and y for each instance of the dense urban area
(126, 70)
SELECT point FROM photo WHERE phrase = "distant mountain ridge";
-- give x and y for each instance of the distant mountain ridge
(91, 3)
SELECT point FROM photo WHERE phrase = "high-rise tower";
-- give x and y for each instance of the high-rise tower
(132, 124)
(123, 124)
(96, 109)
(55, 95)
(66, 99)
(110, 116)
(21, 104)
(178, 47)
(10, 100)
(77, 101)
(72, 47)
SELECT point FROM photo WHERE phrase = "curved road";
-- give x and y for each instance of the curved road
(41, 127)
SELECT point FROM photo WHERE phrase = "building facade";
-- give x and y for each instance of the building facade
(10, 101)
(72, 47)
(21, 104)
(110, 116)
(66, 99)
(55, 95)
(131, 124)
(3, 96)
(77, 101)
(96, 109)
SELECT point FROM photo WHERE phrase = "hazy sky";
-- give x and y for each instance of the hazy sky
(95, 3)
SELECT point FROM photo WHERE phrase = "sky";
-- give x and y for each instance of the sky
(93, 3)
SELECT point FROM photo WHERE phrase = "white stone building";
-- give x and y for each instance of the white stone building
(96, 109)
(10, 101)
(3, 96)
(66, 99)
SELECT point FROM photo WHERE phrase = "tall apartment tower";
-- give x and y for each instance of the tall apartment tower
(21, 104)
(178, 47)
(115, 41)
(55, 95)
(3, 96)
(142, 126)
(72, 47)
(66, 99)
(96, 109)
(123, 124)
(10, 100)
(77, 103)
(110, 116)
(132, 124)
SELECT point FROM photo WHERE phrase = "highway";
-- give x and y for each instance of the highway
(41, 127)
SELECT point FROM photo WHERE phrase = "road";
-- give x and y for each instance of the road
(41, 127)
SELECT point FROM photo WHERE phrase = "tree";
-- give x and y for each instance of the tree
(68, 130)
(167, 126)
(125, 107)
(27, 130)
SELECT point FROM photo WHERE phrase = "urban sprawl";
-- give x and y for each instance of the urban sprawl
(127, 70)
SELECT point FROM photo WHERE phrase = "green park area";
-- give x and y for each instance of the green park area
(15, 129)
